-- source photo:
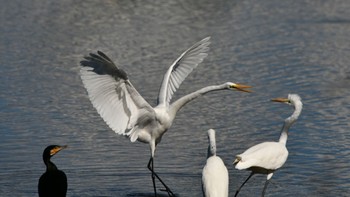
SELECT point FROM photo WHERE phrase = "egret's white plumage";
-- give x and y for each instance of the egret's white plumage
(253, 157)
(127, 113)
(266, 157)
(215, 179)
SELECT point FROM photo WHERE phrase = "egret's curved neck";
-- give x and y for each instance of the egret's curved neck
(178, 104)
(212, 144)
(289, 122)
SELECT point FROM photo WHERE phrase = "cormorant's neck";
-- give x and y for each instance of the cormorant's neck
(49, 165)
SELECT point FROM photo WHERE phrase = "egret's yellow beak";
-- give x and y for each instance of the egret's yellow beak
(281, 100)
(57, 149)
(241, 87)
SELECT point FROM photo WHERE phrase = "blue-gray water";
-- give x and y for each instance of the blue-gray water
(279, 47)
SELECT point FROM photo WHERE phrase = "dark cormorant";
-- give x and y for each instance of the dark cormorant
(53, 183)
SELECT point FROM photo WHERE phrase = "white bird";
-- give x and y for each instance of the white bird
(127, 113)
(267, 157)
(214, 175)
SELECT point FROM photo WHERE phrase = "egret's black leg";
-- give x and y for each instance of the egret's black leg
(251, 174)
(265, 186)
(154, 174)
(150, 167)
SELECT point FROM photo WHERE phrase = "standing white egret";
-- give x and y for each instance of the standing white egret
(127, 112)
(214, 175)
(267, 157)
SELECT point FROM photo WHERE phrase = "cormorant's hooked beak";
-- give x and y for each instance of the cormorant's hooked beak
(280, 100)
(242, 87)
(57, 149)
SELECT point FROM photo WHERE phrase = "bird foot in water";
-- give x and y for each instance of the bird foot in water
(170, 193)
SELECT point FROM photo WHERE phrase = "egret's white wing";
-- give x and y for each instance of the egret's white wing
(112, 94)
(181, 68)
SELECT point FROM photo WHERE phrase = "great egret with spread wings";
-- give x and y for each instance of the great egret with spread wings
(127, 113)
(267, 157)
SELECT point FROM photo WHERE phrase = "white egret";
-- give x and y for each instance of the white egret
(214, 175)
(127, 113)
(267, 157)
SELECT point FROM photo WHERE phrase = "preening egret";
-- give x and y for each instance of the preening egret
(266, 157)
(214, 175)
(53, 183)
(127, 112)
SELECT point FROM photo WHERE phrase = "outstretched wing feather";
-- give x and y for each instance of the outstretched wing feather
(181, 68)
(112, 94)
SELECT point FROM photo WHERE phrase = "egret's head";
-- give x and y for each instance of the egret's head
(295, 101)
(240, 87)
(291, 100)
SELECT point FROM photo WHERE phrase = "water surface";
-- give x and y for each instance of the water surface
(279, 47)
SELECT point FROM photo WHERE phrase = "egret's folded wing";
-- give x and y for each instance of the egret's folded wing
(181, 68)
(268, 155)
(112, 94)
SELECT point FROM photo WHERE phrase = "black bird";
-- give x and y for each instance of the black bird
(53, 183)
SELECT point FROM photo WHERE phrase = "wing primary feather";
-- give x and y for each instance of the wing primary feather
(102, 65)
(104, 56)
(112, 94)
(181, 68)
